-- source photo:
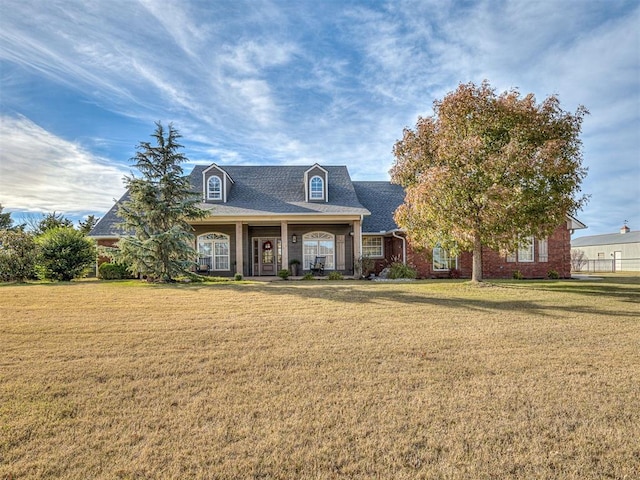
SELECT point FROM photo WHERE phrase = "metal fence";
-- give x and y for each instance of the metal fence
(607, 265)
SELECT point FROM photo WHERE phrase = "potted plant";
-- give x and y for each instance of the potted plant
(293, 266)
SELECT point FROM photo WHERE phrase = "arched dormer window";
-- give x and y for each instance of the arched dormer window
(316, 188)
(214, 188)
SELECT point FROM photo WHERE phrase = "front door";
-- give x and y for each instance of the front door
(266, 255)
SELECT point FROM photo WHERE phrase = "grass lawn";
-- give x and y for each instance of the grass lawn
(321, 380)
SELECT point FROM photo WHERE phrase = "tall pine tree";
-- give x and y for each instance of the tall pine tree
(160, 203)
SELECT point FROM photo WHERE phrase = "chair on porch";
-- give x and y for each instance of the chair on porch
(202, 268)
(317, 266)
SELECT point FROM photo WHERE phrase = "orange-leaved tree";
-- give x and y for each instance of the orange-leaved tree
(489, 169)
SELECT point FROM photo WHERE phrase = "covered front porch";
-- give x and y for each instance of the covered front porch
(261, 248)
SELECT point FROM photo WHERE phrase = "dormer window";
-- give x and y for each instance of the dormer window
(316, 184)
(316, 188)
(214, 188)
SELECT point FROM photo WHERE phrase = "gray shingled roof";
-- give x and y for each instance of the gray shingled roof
(264, 190)
(107, 226)
(606, 239)
(381, 199)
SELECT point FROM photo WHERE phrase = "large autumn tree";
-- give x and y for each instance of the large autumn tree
(157, 211)
(488, 169)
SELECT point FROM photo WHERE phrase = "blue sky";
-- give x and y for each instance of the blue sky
(296, 82)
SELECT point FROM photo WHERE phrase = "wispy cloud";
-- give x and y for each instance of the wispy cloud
(259, 81)
(40, 172)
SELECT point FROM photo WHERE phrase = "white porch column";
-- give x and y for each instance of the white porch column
(239, 249)
(284, 234)
(357, 241)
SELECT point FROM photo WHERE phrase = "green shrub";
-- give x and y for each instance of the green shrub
(284, 273)
(552, 274)
(113, 271)
(18, 255)
(65, 253)
(335, 276)
(400, 270)
(308, 276)
(237, 277)
(517, 275)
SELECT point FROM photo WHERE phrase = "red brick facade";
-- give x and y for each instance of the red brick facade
(494, 265)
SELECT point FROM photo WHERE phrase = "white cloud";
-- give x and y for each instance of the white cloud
(40, 172)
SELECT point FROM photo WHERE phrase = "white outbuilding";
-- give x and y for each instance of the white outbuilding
(612, 252)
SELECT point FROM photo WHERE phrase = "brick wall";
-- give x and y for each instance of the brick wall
(495, 265)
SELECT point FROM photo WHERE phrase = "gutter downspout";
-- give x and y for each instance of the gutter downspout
(404, 246)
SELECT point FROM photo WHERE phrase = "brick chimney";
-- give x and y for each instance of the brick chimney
(625, 229)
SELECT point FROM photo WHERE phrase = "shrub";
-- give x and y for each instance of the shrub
(552, 274)
(335, 276)
(364, 266)
(308, 276)
(113, 271)
(237, 277)
(517, 275)
(284, 274)
(64, 254)
(400, 270)
(17, 256)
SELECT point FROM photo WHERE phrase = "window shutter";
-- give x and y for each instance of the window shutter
(340, 252)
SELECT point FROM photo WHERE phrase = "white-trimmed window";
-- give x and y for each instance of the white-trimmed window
(525, 251)
(372, 247)
(318, 244)
(213, 250)
(316, 188)
(442, 261)
(214, 188)
(543, 250)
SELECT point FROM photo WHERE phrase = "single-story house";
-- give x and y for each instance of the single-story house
(611, 252)
(261, 218)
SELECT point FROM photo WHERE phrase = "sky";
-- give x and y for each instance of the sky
(295, 82)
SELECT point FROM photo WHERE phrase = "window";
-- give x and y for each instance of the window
(214, 188)
(318, 244)
(543, 250)
(213, 250)
(525, 251)
(317, 188)
(442, 260)
(372, 247)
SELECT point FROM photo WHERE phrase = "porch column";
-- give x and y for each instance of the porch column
(284, 234)
(239, 249)
(357, 241)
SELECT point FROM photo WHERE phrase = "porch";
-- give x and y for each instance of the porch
(258, 249)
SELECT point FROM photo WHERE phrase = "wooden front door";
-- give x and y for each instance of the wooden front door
(266, 255)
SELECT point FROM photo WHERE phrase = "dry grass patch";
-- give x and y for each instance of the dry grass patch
(321, 380)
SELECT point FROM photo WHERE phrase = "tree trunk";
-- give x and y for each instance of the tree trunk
(476, 272)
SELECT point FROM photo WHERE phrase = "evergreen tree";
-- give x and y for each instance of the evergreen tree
(49, 221)
(87, 225)
(64, 253)
(160, 244)
(5, 219)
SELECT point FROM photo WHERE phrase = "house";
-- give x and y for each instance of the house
(611, 252)
(261, 218)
